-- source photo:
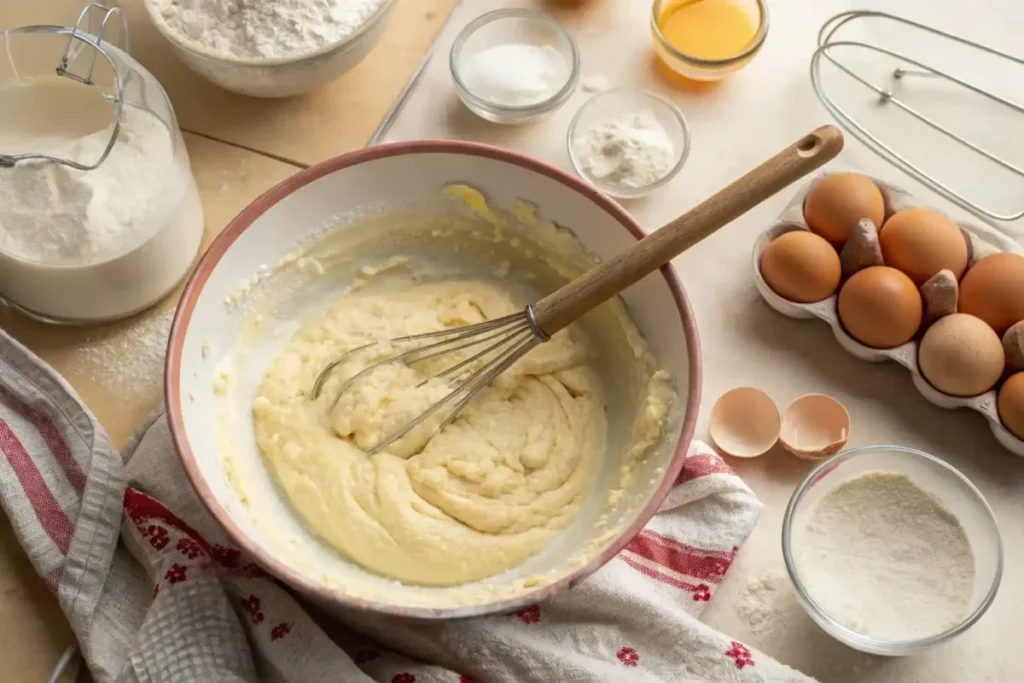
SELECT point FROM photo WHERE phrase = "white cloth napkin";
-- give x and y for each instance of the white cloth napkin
(155, 591)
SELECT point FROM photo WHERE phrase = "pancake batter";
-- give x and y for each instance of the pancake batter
(480, 497)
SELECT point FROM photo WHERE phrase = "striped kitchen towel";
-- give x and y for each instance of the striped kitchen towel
(155, 591)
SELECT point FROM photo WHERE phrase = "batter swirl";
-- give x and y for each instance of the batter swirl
(436, 508)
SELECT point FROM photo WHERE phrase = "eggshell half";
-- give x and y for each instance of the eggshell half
(745, 422)
(814, 426)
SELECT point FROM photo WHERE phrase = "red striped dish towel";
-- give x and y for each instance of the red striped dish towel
(155, 591)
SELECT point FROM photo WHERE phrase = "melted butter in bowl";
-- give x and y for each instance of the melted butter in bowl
(534, 477)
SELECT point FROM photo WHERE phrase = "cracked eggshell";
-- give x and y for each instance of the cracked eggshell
(815, 426)
(745, 422)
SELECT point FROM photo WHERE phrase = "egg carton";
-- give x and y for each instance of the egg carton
(983, 240)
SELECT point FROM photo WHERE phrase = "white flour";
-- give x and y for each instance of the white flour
(515, 74)
(265, 29)
(94, 245)
(631, 151)
(886, 559)
(61, 216)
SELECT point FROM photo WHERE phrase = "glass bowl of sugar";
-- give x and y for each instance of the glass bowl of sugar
(891, 550)
(514, 65)
(628, 142)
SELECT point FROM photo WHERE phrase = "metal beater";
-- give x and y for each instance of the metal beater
(827, 44)
(506, 340)
(81, 36)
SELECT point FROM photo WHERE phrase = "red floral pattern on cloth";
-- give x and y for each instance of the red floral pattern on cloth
(176, 573)
(155, 522)
(403, 677)
(190, 548)
(157, 535)
(280, 631)
(740, 655)
(467, 679)
(702, 593)
(529, 615)
(628, 656)
(252, 606)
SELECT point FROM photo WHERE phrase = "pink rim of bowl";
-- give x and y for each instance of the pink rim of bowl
(223, 242)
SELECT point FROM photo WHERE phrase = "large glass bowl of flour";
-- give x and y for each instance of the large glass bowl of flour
(83, 246)
(891, 550)
(271, 49)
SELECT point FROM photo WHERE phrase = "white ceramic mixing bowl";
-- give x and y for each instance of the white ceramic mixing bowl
(379, 179)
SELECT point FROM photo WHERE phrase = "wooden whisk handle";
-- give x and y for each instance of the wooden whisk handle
(610, 277)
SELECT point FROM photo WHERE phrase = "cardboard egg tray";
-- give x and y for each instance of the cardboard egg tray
(983, 240)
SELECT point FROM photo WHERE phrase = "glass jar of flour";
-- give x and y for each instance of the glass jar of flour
(100, 216)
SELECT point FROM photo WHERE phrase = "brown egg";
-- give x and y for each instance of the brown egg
(1011, 405)
(837, 201)
(921, 242)
(961, 355)
(880, 307)
(801, 267)
(993, 290)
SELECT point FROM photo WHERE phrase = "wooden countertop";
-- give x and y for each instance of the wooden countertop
(239, 147)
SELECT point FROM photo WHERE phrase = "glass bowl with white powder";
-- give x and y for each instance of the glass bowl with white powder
(271, 48)
(514, 65)
(628, 142)
(891, 550)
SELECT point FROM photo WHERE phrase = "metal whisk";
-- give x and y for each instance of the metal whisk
(494, 345)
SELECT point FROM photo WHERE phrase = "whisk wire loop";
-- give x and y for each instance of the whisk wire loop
(828, 43)
(507, 339)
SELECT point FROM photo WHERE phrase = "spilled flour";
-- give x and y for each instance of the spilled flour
(127, 358)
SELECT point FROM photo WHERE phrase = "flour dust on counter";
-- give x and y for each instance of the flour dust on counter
(265, 29)
(128, 360)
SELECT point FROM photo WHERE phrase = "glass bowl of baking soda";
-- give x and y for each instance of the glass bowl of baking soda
(514, 65)
(628, 142)
(891, 550)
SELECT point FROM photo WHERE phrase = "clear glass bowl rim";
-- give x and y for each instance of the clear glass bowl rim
(875, 645)
(755, 44)
(512, 13)
(677, 113)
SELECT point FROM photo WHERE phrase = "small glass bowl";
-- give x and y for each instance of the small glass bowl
(956, 493)
(507, 26)
(697, 69)
(617, 102)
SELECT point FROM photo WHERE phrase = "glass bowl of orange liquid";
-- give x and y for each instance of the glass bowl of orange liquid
(706, 40)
